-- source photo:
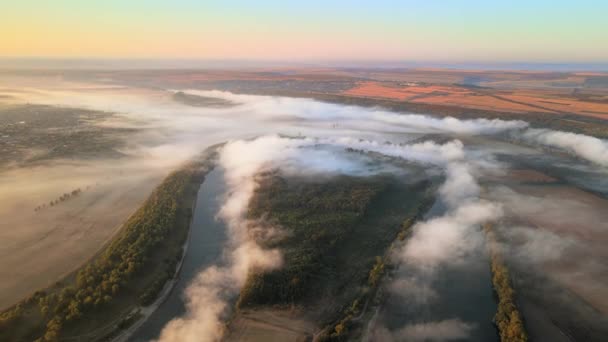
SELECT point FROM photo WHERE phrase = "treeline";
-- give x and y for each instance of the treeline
(66, 196)
(134, 251)
(507, 319)
(342, 328)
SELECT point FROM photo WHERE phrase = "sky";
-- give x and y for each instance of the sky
(430, 30)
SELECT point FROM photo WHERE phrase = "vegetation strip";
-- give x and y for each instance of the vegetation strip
(507, 319)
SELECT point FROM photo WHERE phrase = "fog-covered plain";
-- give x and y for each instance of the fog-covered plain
(302, 136)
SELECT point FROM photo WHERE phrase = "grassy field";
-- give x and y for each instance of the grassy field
(130, 271)
(51, 242)
(46, 152)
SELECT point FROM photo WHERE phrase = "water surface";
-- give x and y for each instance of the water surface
(461, 291)
(207, 239)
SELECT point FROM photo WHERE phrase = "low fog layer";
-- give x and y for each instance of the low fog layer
(433, 242)
(592, 149)
(186, 128)
(562, 238)
(301, 136)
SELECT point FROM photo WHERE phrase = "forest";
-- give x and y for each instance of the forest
(326, 222)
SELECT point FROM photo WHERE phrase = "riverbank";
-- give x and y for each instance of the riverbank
(144, 313)
(130, 272)
(207, 244)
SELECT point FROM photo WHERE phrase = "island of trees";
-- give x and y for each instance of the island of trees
(338, 231)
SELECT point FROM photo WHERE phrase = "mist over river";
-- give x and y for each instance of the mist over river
(206, 243)
(531, 183)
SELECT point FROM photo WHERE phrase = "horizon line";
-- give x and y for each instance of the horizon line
(56, 62)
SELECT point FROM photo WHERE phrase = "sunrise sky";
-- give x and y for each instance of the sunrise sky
(465, 30)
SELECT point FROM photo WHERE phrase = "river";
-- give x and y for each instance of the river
(464, 291)
(207, 239)
(461, 291)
